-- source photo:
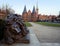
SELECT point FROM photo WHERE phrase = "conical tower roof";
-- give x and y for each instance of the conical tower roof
(24, 11)
(33, 9)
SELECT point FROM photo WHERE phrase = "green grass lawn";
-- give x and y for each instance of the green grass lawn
(49, 24)
(27, 24)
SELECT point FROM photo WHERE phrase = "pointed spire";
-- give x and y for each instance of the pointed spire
(37, 6)
(24, 11)
(33, 9)
(3, 7)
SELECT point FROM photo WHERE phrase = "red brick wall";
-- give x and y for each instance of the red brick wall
(25, 16)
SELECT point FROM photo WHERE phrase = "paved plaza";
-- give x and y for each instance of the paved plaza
(48, 36)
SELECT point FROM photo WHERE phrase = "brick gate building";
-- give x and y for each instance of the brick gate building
(30, 16)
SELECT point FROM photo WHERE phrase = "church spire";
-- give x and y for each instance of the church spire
(37, 6)
(33, 9)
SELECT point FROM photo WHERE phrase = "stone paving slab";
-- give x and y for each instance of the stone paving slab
(33, 41)
(50, 44)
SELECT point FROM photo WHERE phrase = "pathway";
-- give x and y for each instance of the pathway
(46, 34)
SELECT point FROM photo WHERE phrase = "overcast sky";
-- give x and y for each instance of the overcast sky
(45, 6)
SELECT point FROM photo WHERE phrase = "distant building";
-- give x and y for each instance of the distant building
(25, 14)
(5, 11)
(2, 14)
(51, 18)
(58, 18)
(34, 15)
(43, 18)
(30, 16)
